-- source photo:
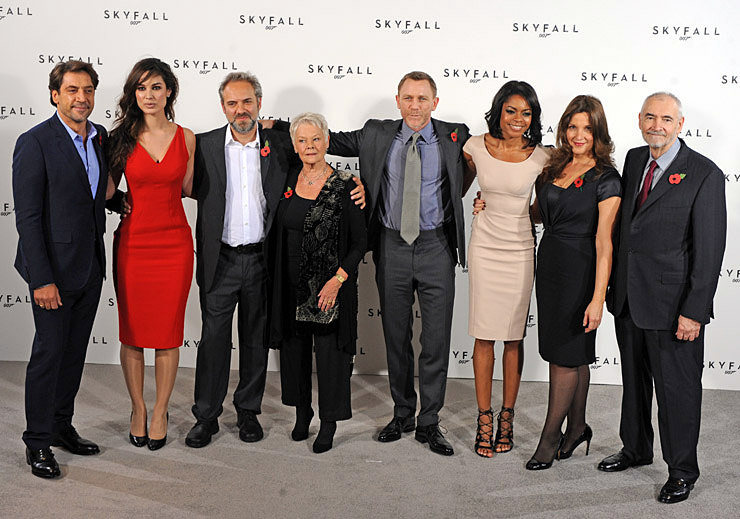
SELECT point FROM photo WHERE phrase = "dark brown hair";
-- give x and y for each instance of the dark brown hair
(563, 154)
(129, 116)
(418, 75)
(56, 76)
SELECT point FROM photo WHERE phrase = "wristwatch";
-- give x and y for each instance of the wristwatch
(340, 278)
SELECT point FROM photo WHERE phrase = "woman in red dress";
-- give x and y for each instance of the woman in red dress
(153, 246)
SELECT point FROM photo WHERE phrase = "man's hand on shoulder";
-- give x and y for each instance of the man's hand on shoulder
(358, 193)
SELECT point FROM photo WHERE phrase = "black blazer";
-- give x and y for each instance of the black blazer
(372, 143)
(669, 253)
(209, 189)
(60, 225)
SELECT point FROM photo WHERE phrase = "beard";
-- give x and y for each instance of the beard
(244, 127)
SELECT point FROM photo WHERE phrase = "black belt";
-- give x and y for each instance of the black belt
(244, 249)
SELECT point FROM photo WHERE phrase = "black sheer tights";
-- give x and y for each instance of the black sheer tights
(568, 393)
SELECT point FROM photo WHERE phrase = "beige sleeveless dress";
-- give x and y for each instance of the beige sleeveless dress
(501, 251)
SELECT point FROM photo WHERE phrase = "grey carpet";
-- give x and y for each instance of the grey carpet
(359, 477)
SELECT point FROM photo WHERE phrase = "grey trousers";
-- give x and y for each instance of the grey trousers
(241, 281)
(425, 269)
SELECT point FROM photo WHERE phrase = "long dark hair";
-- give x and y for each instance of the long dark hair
(563, 154)
(129, 117)
(513, 88)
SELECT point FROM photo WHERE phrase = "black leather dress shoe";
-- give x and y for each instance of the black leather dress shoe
(620, 461)
(395, 427)
(200, 435)
(71, 441)
(42, 463)
(675, 490)
(250, 429)
(437, 442)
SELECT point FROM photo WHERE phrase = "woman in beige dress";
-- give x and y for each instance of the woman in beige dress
(507, 161)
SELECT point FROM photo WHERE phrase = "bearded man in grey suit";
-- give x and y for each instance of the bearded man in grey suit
(413, 171)
(669, 253)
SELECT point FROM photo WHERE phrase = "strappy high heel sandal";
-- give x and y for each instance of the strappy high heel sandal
(484, 434)
(504, 436)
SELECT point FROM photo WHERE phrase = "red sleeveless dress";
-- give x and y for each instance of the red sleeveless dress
(153, 250)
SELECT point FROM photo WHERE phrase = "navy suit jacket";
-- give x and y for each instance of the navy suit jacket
(209, 189)
(372, 143)
(60, 225)
(669, 253)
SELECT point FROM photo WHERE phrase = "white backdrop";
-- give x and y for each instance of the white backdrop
(344, 60)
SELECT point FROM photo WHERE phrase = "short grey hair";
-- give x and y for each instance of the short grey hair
(311, 118)
(241, 76)
(664, 94)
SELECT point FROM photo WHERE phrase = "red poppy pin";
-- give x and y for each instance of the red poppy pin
(265, 151)
(453, 135)
(579, 181)
(676, 178)
(289, 192)
(100, 140)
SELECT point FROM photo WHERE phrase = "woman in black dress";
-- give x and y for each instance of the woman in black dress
(578, 194)
(315, 246)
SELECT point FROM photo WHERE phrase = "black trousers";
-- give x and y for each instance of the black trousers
(333, 371)
(240, 285)
(675, 367)
(57, 358)
(427, 269)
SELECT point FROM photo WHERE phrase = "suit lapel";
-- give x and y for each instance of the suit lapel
(384, 142)
(68, 150)
(678, 165)
(102, 166)
(634, 176)
(448, 148)
(217, 151)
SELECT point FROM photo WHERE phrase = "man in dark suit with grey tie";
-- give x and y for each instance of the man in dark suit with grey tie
(59, 183)
(670, 246)
(413, 171)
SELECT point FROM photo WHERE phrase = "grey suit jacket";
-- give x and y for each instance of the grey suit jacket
(371, 144)
(209, 189)
(669, 253)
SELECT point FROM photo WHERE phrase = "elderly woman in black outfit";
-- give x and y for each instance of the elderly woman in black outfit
(316, 244)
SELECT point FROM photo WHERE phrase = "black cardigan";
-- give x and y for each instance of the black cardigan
(352, 245)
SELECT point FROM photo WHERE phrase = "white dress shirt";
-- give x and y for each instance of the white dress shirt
(244, 219)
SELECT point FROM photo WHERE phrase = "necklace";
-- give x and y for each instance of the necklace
(310, 180)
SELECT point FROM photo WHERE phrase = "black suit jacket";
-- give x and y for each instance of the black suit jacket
(669, 253)
(60, 225)
(372, 143)
(209, 188)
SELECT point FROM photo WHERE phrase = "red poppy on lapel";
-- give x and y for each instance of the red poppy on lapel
(453, 135)
(100, 140)
(289, 192)
(676, 178)
(578, 182)
(265, 151)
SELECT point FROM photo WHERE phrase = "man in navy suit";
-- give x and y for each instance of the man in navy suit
(59, 184)
(670, 247)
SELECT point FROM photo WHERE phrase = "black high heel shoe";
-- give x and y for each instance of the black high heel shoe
(136, 441)
(585, 436)
(325, 437)
(484, 434)
(303, 416)
(504, 435)
(159, 443)
(534, 464)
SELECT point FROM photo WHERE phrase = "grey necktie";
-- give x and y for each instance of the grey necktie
(411, 193)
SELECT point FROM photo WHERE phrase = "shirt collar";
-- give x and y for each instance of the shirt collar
(665, 160)
(231, 142)
(426, 133)
(91, 130)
